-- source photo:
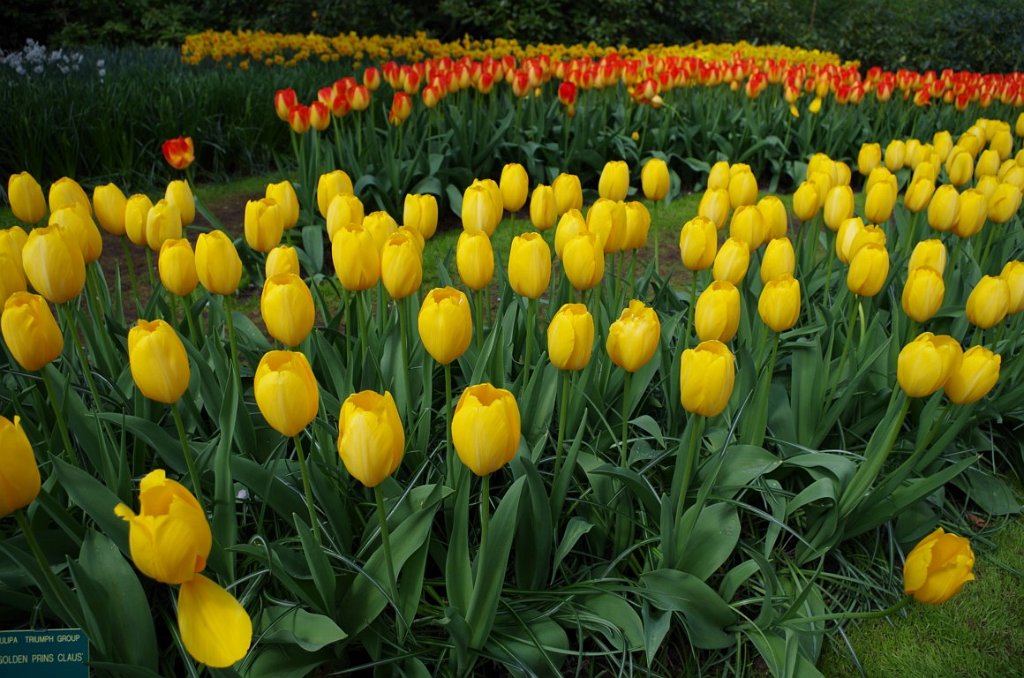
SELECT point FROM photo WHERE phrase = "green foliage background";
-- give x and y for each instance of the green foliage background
(987, 35)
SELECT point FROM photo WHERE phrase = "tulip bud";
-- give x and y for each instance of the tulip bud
(925, 170)
(77, 226)
(264, 224)
(217, 263)
(66, 192)
(776, 221)
(486, 428)
(371, 440)
(838, 206)
(972, 214)
(869, 157)
(109, 204)
(478, 210)
(26, 196)
(283, 193)
(445, 324)
(286, 305)
(806, 201)
(974, 377)
(638, 225)
(707, 374)
(12, 243)
(747, 225)
(169, 539)
(989, 302)
(698, 243)
(944, 208)
(136, 210)
(286, 391)
(987, 165)
(717, 315)
(568, 193)
(826, 166)
(158, 361)
(938, 567)
(179, 152)
(607, 220)
(329, 186)
(923, 294)
(959, 167)
(401, 265)
(779, 260)
(343, 210)
(529, 265)
(633, 338)
(356, 259)
(926, 364)
(846, 237)
(614, 181)
(30, 331)
(514, 185)
(943, 143)
(869, 235)
(53, 264)
(918, 195)
(868, 270)
(583, 261)
(496, 203)
(420, 213)
(779, 303)
(474, 258)
(163, 222)
(179, 194)
(654, 179)
(1004, 203)
(569, 226)
(381, 226)
(732, 261)
(879, 203)
(719, 175)
(930, 253)
(19, 472)
(1013, 274)
(895, 155)
(12, 277)
(177, 267)
(742, 188)
(714, 205)
(282, 259)
(543, 211)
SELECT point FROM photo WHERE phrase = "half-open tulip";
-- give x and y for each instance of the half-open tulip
(371, 440)
(717, 314)
(108, 202)
(30, 331)
(217, 263)
(868, 270)
(283, 193)
(329, 186)
(654, 179)
(445, 324)
(169, 538)
(583, 261)
(380, 225)
(26, 196)
(989, 302)
(514, 185)
(486, 428)
(53, 264)
(926, 364)
(974, 377)
(919, 195)
(1004, 203)
(634, 337)
(177, 267)
(286, 306)
(938, 567)
(571, 337)
(179, 194)
(19, 472)
(286, 391)
(529, 265)
(707, 374)
(77, 225)
(614, 181)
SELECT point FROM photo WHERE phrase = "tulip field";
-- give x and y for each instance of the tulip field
(586, 436)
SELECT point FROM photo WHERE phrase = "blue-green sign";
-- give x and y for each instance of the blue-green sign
(53, 653)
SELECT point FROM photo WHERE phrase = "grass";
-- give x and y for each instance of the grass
(978, 633)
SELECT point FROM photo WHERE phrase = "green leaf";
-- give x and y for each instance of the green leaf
(783, 657)
(741, 465)
(95, 499)
(615, 610)
(705, 614)
(319, 566)
(282, 661)
(574, 530)
(293, 625)
(712, 540)
(534, 534)
(313, 245)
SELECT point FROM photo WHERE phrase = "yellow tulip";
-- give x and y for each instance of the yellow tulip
(474, 258)
(931, 253)
(919, 195)
(286, 391)
(779, 303)
(283, 193)
(925, 170)
(1004, 203)
(445, 324)
(26, 196)
(879, 203)
(959, 167)
(66, 192)
(826, 166)
(718, 176)
(420, 213)
(478, 210)
(169, 539)
(371, 440)
(987, 164)
(569, 226)
(838, 206)
(529, 265)
(356, 259)
(12, 243)
(568, 193)
(868, 270)
(215, 628)
(943, 143)
(974, 377)
(843, 173)
(571, 337)
(989, 302)
(158, 361)
(282, 259)
(514, 185)
(264, 224)
(286, 306)
(136, 210)
(742, 188)
(401, 265)
(732, 261)
(923, 294)
(217, 263)
(938, 567)
(77, 225)
(846, 237)
(30, 331)
(1013, 274)
(698, 243)
(177, 267)
(607, 219)
(486, 428)
(330, 185)
(717, 314)
(583, 261)
(895, 155)
(53, 264)
(163, 222)
(714, 205)
(109, 204)
(776, 221)
(868, 158)
(614, 181)
(972, 214)
(343, 211)
(707, 374)
(654, 179)
(638, 225)
(381, 226)
(869, 235)
(806, 201)
(19, 472)
(944, 208)
(496, 202)
(543, 211)
(747, 225)
(12, 277)
(881, 175)
(634, 337)
(779, 260)
(179, 194)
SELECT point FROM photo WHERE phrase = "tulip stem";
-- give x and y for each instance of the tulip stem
(478, 334)
(236, 367)
(485, 509)
(186, 305)
(563, 416)
(307, 490)
(531, 319)
(688, 463)
(62, 425)
(186, 450)
(693, 307)
(623, 453)
(846, 341)
(86, 368)
(361, 320)
(877, 614)
(403, 329)
(60, 591)
(385, 541)
(152, 276)
(450, 462)
(130, 265)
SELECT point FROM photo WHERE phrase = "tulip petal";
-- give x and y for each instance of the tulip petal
(215, 628)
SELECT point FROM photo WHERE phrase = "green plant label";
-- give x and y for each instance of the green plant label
(53, 653)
